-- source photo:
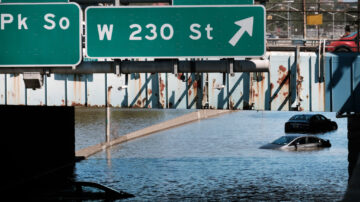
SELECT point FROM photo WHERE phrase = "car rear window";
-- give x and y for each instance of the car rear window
(300, 117)
(284, 140)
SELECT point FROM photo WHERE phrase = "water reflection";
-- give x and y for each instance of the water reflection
(219, 159)
(90, 122)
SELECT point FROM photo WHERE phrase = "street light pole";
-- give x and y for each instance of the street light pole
(333, 22)
(333, 17)
(317, 26)
(288, 21)
(288, 16)
(304, 16)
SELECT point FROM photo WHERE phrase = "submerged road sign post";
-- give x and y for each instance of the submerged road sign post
(175, 32)
(40, 34)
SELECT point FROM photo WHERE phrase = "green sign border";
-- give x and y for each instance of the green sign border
(177, 57)
(212, 2)
(34, 1)
(80, 37)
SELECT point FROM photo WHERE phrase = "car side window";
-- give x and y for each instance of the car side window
(312, 140)
(322, 118)
(92, 190)
(302, 140)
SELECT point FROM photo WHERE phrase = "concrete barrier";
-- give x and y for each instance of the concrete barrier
(185, 119)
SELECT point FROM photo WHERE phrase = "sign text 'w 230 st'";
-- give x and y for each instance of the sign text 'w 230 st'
(175, 32)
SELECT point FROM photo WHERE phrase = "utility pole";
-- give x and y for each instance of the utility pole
(304, 14)
(318, 12)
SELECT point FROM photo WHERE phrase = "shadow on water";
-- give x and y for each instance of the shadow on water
(39, 155)
(60, 185)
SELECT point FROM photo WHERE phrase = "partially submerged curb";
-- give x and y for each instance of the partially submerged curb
(182, 120)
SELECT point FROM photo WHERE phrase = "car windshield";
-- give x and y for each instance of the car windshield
(350, 35)
(300, 117)
(284, 140)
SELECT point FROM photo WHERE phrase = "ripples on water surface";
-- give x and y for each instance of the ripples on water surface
(90, 122)
(219, 159)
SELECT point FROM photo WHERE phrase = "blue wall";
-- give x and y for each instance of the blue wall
(292, 83)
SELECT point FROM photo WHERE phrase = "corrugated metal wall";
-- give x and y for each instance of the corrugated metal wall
(293, 83)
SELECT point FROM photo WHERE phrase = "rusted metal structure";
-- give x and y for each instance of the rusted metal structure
(295, 81)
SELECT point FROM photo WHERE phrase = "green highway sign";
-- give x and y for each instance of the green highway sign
(40, 34)
(175, 31)
(32, 1)
(213, 2)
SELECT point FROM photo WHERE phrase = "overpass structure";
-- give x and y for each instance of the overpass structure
(301, 81)
(201, 63)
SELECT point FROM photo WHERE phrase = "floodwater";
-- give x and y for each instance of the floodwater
(90, 122)
(216, 159)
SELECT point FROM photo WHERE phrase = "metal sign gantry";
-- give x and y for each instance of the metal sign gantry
(36, 38)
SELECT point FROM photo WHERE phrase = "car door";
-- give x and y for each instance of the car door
(315, 123)
(312, 142)
(300, 143)
(324, 122)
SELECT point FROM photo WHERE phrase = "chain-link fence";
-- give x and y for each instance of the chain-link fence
(311, 19)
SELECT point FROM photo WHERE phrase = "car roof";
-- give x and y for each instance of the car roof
(305, 135)
(300, 135)
(301, 116)
(294, 135)
(307, 116)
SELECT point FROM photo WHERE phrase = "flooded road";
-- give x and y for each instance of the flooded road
(90, 122)
(215, 159)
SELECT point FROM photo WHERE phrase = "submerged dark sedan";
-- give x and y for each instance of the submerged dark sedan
(297, 142)
(309, 123)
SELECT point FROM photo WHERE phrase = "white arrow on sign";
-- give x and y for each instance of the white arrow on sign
(246, 26)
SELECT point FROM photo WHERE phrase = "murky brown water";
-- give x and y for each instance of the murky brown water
(217, 159)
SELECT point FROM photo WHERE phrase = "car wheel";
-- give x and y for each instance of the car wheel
(342, 49)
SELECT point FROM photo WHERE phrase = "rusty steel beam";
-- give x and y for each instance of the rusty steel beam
(157, 66)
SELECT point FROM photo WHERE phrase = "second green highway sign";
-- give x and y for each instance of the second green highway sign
(175, 31)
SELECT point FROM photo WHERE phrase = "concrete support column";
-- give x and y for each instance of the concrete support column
(354, 142)
(353, 189)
